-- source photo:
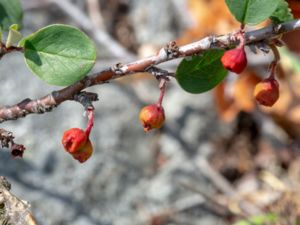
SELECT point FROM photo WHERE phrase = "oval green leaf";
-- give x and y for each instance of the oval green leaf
(199, 74)
(59, 54)
(252, 11)
(10, 13)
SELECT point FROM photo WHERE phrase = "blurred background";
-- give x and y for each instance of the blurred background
(219, 158)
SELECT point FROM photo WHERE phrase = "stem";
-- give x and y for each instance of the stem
(275, 62)
(242, 28)
(90, 114)
(272, 69)
(242, 38)
(4, 50)
(275, 53)
(162, 87)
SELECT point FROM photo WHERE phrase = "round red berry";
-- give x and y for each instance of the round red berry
(152, 116)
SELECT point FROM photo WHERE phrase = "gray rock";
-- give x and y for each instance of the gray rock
(117, 185)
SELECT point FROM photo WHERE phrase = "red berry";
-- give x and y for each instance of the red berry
(84, 153)
(77, 143)
(73, 139)
(152, 116)
(235, 60)
(266, 92)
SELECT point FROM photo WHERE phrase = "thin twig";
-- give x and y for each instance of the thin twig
(5, 50)
(102, 37)
(95, 14)
(7, 141)
(170, 52)
(217, 179)
(223, 185)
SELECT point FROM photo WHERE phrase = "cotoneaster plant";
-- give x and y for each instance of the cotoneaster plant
(62, 55)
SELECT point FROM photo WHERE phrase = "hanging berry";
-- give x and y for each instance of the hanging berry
(235, 60)
(266, 92)
(76, 141)
(152, 116)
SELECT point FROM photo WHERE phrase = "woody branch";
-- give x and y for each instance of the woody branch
(169, 52)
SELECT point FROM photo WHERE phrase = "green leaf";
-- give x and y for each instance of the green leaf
(252, 11)
(201, 73)
(282, 13)
(259, 220)
(59, 54)
(14, 36)
(10, 13)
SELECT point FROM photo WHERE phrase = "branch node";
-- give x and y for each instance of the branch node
(6, 137)
(213, 41)
(159, 73)
(117, 69)
(86, 99)
(24, 102)
(277, 28)
(172, 50)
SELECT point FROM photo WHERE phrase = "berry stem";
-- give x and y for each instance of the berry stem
(272, 69)
(162, 87)
(274, 63)
(275, 53)
(90, 114)
(242, 29)
(241, 37)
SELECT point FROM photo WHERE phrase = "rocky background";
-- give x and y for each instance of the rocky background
(189, 172)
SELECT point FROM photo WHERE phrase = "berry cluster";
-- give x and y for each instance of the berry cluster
(266, 92)
(76, 141)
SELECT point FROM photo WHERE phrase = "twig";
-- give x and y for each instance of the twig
(223, 185)
(95, 14)
(7, 141)
(5, 50)
(218, 180)
(168, 53)
(165, 213)
(102, 37)
(217, 207)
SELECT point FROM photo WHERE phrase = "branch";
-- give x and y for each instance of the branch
(5, 50)
(12, 209)
(168, 53)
